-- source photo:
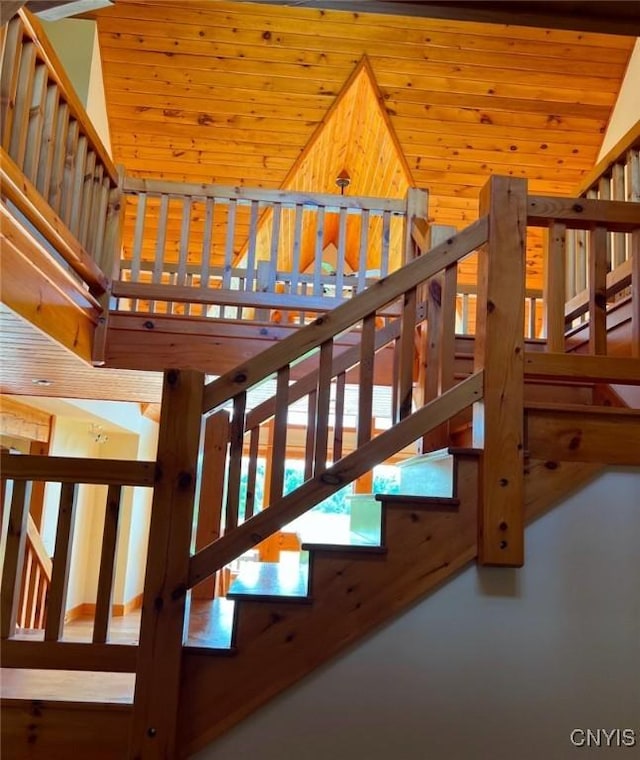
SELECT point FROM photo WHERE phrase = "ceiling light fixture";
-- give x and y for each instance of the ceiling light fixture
(343, 180)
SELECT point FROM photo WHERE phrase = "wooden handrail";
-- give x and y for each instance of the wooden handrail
(343, 317)
(628, 141)
(36, 33)
(214, 556)
(331, 202)
(76, 470)
(582, 213)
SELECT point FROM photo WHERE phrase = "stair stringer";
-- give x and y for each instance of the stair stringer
(352, 594)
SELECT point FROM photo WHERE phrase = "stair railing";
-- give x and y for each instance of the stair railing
(599, 222)
(615, 178)
(55, 170)
(36, 580)
(23, 596)
(251, 253)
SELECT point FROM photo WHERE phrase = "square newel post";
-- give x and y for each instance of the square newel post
(498, 420)
(165, 589)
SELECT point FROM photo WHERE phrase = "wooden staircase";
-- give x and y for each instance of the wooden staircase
(513, 461)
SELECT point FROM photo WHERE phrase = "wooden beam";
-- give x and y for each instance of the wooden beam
(605, 17)
(576, 433)
(24, 195)
(583, 213)
(23, 421)
(163, 609)
(581, 368)
(68, 655)
(40, 291)
(74, 470)
(499, 351)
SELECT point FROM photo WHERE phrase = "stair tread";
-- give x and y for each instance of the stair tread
(358, 542)
(271, 581)
(211, 624)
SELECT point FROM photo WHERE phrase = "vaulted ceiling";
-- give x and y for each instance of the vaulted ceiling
(238, 93)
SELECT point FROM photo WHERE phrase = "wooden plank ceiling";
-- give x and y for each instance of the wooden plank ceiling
(30, 355)
(235, 93)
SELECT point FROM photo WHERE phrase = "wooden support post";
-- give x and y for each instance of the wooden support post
(499, 351)
(555, 278)
(437, 359)
(417, 208)
(214, 462)
(163, 611)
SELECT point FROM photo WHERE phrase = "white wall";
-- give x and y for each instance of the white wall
(497, 665)
(626, 111)
(76, 43)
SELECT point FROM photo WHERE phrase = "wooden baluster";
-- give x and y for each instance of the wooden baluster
(448, 348)
(464, 318)
(279, 448)
(50, 120)
(310, 434)
(106, 576)
(76, 187)
(88, 200)
(228, 249)
(41, 613)
(252, 472)
(59, 152)
(205, 257)
(297, 235)
(364, 250)
(619, 251)
(633, 185)
(20, 118)
(556, 286)
(322, 409)
(138, 237)
(161, 237)
(14, 557)
(71, 152)
(366, 376)
(98, 214)
(25, 585)
(35, 597)
(417, 205)
(384, 255)
(251, 251)
(407, 353)
(35, 123)
(598, 290)
(236, 445)
(10, 68)
(61, 562)
(635, 293)
(319, 249)
(157, 689)
(183, 252)
(499, 352)
(532, 317)
(214, 466)
(338, 428)
(341, 254)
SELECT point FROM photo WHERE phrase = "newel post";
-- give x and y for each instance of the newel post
(498, 420)
(165, 590)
